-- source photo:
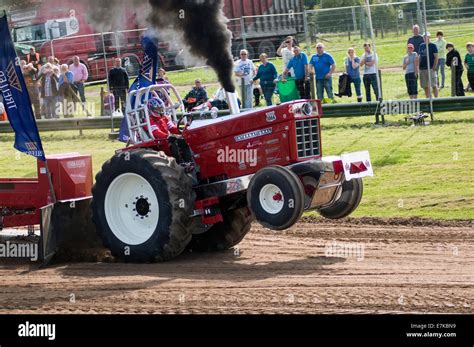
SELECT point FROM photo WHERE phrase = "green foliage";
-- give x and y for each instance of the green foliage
(419, 171)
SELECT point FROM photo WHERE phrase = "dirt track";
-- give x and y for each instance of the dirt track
(425, 268)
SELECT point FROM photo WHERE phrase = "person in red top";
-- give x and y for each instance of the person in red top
(3, 113)
(163, 128)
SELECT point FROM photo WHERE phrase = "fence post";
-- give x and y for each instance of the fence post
(453, 76)
(102, 96)
(354, 18)
(380, 94)
(242, 27)
(117, 43)
(306, 32)
(312, 83)
(242, 88)
(381, 85)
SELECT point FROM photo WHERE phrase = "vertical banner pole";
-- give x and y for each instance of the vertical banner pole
(50, 181)
(425, 24)
(377, 75)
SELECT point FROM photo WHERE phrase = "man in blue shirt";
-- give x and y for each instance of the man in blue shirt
(324, 66)
(423, 66)
(299, 63)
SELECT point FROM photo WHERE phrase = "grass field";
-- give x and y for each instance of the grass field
(420, 171)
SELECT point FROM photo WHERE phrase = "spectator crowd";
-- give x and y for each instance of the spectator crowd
(59, 89)
(54, 88)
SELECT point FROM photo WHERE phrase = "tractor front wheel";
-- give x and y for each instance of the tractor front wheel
(276, 197)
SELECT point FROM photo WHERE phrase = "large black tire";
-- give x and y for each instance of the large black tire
(224, 235)
(165, 182)
(276, 197)
(350, 199)
(267, 47)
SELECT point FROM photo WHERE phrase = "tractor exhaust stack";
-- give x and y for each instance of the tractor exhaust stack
(233, 103)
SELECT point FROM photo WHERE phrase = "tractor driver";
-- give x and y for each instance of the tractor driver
(163, 128)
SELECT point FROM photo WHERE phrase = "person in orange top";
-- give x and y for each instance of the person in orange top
(163, 128)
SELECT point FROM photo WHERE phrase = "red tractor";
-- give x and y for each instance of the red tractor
(264, 165)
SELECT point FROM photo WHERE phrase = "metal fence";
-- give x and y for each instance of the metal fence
(258, 34)
(329, 111)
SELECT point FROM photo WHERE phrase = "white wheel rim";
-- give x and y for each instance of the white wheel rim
(131, 209)
(271, 199)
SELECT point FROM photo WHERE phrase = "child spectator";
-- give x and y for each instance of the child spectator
(469, 63)
(441, 46)
(453, 58)
(410, 65)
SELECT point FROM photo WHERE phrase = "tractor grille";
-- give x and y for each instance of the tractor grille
(307, 138)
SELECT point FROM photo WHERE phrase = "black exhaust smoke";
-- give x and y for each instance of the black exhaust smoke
(201, 22)
(204, 30)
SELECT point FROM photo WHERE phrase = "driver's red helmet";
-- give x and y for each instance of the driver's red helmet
(156, 107)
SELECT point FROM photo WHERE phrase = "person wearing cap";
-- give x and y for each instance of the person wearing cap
(410, 65)
(196, 97)
(416, 40)
(300, 66)
(469, 63)
(425, 74)
(453, 58)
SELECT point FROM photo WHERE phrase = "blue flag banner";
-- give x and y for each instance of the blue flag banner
(147, 77)
(16, 98)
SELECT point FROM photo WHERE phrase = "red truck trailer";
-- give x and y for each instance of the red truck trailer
(61, 28)
(266, 23)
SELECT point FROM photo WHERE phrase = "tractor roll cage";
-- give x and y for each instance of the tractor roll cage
(137, 115)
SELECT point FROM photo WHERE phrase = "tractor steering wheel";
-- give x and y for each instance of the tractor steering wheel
(187, 122)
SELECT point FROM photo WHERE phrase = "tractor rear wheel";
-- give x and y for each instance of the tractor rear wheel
(349, 200)
(224, 235)
(142, 203)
